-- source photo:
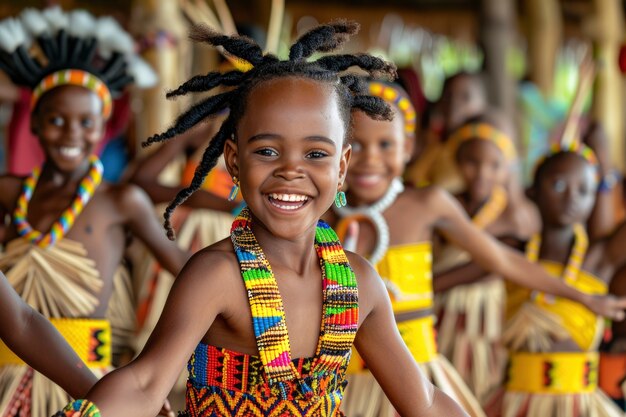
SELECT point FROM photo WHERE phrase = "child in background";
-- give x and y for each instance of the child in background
(395, 230)
(463, 96)
(68, 229)
(470, 316)
(553, 342)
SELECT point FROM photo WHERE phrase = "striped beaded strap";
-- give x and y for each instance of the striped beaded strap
(59, 229)
(340, 302)
(79, 78)
(576, 257)
(79, 408)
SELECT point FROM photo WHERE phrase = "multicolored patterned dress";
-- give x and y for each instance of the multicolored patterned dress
(227, 383)
(540, 381)
(406, 271)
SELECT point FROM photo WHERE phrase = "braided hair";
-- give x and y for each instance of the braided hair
(350, 89)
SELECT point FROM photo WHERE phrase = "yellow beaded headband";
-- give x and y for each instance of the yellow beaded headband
(393, 96)
(482, 131)
(75, 77)
(573, 147)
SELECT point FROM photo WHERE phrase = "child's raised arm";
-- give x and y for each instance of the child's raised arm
(380, 344)
(142, 221)
(24, 331)
(197, 297)
(496, 257)
(147, 170)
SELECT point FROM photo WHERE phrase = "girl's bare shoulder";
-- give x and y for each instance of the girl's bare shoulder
(428, 197)
(11, 187)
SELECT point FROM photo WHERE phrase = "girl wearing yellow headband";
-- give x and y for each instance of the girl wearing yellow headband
(470, 315)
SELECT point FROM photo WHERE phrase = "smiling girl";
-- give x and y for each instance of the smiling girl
(269, 316)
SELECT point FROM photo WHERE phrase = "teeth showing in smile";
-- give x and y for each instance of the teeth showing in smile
(294, 201)
(70, 151)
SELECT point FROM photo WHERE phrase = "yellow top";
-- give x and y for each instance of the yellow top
(407, 272)
(581, 324)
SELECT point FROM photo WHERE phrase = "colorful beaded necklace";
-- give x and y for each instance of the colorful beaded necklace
(575, 261)
(492, 209)
(59, 229)
(340, 303)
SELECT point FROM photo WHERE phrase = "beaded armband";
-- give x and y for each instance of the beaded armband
(608, 182)
(79, 408)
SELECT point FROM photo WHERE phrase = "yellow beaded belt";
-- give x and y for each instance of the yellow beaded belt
(90, 338)
(553, 373)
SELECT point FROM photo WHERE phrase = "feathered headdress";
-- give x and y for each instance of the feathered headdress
(42, 50)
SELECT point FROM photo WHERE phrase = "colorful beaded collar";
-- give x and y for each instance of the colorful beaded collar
(340, 304)
(59, 229)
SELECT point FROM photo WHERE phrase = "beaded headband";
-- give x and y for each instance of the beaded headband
(397, 98)
(74, 77)
(574, 147)
(482, 131)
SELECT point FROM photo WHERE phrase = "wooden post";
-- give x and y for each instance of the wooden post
(544, 26)
(161, 26)
(498, 25)
(608, 105)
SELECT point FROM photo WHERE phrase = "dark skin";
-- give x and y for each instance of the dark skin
(463, 97)
(22, 329)
(618, 287)
(565, 195)
(68, 123)
(289, 141)
(379, 155)
(482, 166)
(146, 171)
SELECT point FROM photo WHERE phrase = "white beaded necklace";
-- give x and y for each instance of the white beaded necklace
(374, 213)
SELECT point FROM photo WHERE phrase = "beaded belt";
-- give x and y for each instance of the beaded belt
(90, 339)
(553, 373)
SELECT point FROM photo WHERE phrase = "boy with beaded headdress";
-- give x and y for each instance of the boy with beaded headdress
(68, 229)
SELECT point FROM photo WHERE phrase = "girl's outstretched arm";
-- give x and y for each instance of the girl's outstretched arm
(498, 258)
(386, 355)
(139, 388)
(146, 173)
(25, 331)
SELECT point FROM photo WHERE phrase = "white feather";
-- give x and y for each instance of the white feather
(34, 22)
(56, 18)
(12, 35)
(82, 24)
(142, 72)
(113, 38)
